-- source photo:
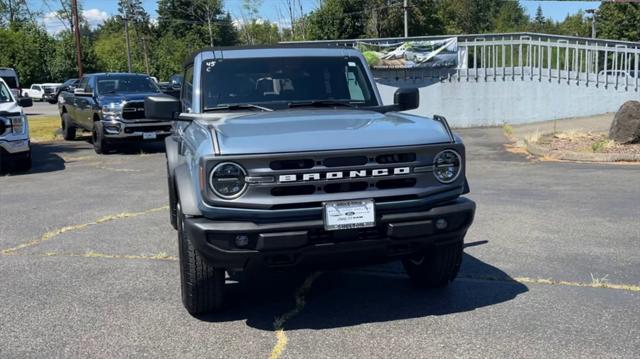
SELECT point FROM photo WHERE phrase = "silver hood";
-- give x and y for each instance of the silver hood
(317, 130)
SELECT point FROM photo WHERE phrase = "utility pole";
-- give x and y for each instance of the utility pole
(76, 32)
(594, 13)
(406, 18)
(126, 34)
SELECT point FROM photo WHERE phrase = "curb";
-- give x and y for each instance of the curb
(542, 151)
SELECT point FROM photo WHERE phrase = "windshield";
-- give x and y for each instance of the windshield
(5, 94)
(277, 82)
(125, 84)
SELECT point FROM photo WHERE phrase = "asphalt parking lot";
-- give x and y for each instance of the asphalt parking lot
(41, 108)
(552, 269)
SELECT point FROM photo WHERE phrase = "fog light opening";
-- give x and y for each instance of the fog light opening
(242, 240)
(441, 223)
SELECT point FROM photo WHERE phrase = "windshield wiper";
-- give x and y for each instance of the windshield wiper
(321, 103)
(239, 106)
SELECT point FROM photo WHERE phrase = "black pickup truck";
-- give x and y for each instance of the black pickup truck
(111, 107)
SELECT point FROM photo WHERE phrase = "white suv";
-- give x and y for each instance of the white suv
(15, 148)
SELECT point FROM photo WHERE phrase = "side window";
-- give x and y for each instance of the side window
(84, 82)
(187, 88)
(354, 81)
(90, 84)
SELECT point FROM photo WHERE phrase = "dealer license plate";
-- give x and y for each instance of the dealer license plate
(148, 135)
(349, 214)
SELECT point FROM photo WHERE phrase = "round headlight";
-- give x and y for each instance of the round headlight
(447, 166)
(227, 180)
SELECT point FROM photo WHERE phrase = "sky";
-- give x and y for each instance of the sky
(96, 11)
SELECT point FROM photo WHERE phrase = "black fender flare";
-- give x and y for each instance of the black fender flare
(186, 192)
(172, 153)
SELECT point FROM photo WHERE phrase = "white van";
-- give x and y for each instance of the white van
(15, 147)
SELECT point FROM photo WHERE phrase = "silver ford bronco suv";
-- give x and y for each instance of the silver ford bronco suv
(286, 157)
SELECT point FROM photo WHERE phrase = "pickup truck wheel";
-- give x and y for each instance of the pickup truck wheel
(100, 144)
(68, 129)
(436, 267)
(202, 285)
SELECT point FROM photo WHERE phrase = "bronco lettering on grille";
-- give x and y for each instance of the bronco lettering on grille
(317, 176)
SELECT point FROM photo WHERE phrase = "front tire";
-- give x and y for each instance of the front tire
(436, 267)
(68, 129)
(201, 284)
(100, 143)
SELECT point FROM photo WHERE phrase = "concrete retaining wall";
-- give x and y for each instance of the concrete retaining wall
(488, 103)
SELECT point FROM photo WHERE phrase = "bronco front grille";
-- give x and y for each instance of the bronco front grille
(305, 180)
(347, 164)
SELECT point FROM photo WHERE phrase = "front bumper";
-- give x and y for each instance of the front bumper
(118, 130)
(307, 244)
(15, 146)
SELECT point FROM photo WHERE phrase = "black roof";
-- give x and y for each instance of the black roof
(189, 59)
(117, 74)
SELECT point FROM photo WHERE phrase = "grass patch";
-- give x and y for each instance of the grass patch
(43, 128)
(508, 129)
(533, 137)
(601, 145)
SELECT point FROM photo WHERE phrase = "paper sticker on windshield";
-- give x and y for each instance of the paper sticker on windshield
(351, 64)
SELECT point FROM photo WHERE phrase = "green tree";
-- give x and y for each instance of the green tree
(27, 49)
(511, 18)
(618, 21)
(388, 21)
(575, 25)
(14, 12)
(63, 61)
(468, 16)
(337, 19)
(262, 32)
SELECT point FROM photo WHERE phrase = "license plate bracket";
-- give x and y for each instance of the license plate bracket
(350, 214)
(149, 136)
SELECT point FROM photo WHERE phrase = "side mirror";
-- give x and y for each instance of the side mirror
(81, 92)
(161, 107)
(25, 102)
(406, 99)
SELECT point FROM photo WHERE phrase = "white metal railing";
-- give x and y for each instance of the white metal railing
(546, 58)
(527, 57)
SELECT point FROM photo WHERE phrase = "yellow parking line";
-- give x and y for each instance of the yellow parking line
(278, 323)
(56, 232)
(162, 256)
(550, 281)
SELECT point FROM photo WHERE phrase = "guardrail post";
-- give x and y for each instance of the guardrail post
(637, 73)
(549, 53)
(597, 66)
(513, 66)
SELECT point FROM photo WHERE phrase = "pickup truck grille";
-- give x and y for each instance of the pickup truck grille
(133, 111)
(306, 180)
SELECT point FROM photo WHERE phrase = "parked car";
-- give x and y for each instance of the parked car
(15, 148)
(287, 158)
(68, 86)
(10, 78)
(173, 86)
(41, 92)
(111, 107)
